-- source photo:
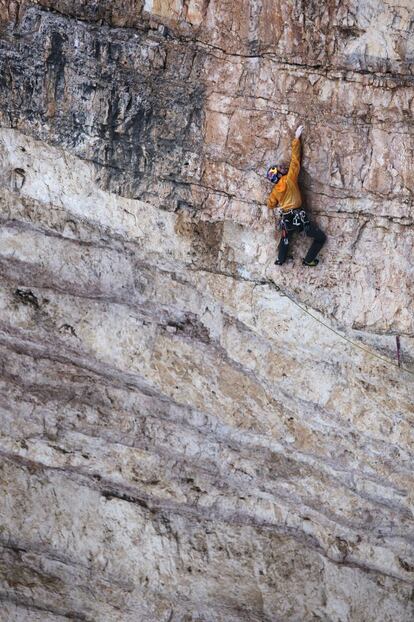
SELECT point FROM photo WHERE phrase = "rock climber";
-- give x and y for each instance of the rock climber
(286, 195)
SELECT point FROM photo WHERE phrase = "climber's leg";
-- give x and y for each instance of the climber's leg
(282, 248)
(319, 239)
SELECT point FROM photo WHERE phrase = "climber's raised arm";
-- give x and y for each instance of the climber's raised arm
(294, 166)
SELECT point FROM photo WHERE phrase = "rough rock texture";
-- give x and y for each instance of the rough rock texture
(189, 433)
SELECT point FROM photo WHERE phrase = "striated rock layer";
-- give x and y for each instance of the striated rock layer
(189, 433)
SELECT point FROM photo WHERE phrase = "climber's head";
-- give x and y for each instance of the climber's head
(274, 173)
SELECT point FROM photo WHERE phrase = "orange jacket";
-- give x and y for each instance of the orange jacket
(286, 192)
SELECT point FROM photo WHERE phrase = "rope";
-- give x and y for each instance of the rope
(353, 343)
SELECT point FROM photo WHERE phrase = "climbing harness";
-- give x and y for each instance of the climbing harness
(300, 217)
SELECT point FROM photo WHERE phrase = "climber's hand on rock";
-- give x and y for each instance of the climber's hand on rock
(299, 131)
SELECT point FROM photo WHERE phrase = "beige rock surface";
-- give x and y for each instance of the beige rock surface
(189, 433)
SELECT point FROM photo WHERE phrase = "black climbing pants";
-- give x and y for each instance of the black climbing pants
(295, 221)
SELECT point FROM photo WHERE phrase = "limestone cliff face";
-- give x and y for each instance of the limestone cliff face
(189, 433)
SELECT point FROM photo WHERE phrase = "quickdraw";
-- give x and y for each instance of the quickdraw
(281, 226)
(296, 219)
(284, 232)
(305, 220)
(397, 339)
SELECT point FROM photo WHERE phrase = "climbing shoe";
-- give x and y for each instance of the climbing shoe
(278, 263)
(312, 263)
